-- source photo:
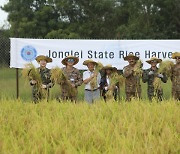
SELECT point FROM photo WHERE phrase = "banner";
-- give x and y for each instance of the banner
(24, 51)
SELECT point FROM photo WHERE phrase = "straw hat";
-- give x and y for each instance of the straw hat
(86, 62)
(175, 54)
(109, 66)
(42, 57)
(154, 59)
(64, 61)
(131, 56)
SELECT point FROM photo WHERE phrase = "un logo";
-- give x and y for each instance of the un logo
(28, 53)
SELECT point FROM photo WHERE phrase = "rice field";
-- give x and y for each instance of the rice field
(112, 127)
(136, 127)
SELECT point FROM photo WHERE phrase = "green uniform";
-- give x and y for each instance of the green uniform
(39, 93)
(132, 83)
(73, 77)
(149, 78)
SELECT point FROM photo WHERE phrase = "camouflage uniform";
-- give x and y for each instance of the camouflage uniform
(175, 78)
(150, 79)
(45, 78)
(132, 83)
(73, 77)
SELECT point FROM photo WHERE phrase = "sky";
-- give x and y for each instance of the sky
(3, 15)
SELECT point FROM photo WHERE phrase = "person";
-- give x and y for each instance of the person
(175, 77)
(92, 93)
(69, 88)
(40, 92)
(149, 76)
(107, 84)
(132, 82)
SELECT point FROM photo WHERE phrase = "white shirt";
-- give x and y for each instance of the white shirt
(88, 74)
(108, 80)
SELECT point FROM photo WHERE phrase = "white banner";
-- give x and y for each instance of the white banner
(112, 52)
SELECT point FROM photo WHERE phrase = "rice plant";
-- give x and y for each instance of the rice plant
(93, 82)
(166, 67)
(61, 79)
(116, 81)
(57, 75)
(30, 72)
(138, 68)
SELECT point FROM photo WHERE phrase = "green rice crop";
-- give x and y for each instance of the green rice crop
(136, 127)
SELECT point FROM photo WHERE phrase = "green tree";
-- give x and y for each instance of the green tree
(30, 18)
(151, 19)
(99, 19)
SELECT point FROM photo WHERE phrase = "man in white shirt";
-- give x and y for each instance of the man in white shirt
(91, 93)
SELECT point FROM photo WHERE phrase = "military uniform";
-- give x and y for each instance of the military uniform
(132, 83)
(46, 80)
(73, 77)
(175, 78)
(149, 78)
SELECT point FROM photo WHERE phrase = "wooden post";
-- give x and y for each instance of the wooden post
(17, 83)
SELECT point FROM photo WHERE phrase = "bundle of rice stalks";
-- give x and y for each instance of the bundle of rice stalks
(72, 91)
(109, 95)
(57, 75)
(115, 80)
(138, 68)
(157, 84)
(93, 82)
(60, 78)
(166, 67)
(25, 72)
(30, 72)
(98, 67)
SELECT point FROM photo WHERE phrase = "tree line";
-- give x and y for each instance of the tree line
(94, 19)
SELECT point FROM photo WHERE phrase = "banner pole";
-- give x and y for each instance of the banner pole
(17, 83)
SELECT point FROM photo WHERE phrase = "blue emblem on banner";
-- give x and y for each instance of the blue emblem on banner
(28, 53)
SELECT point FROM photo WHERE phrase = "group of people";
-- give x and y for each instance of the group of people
(98, 83)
